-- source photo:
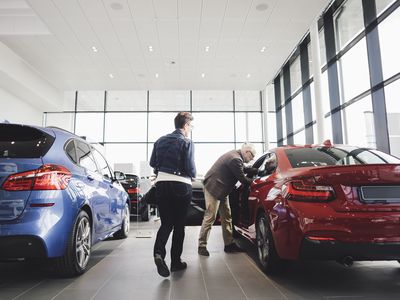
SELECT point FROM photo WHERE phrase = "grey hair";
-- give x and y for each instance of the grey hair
(249, 147)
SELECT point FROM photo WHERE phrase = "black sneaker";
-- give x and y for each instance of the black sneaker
(162, 267)
(203, 251)
(231, 248)
(178, 266)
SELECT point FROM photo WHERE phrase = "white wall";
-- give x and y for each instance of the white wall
(16, 110)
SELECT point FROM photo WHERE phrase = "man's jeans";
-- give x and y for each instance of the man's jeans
(173, 200)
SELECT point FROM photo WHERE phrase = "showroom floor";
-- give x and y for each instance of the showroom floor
(124, 269)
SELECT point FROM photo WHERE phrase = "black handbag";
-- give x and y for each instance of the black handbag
(150, 196)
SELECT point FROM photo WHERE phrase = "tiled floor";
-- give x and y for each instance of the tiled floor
(124, 269)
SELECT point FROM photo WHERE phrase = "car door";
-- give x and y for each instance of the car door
(252, 195)
(116, 200)
(95, 189)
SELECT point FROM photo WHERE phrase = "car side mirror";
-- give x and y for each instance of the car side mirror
(119, 175)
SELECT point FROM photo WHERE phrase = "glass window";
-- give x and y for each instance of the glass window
(284, 132)
(169, 100)
(61, 120)
(207, 154)
(17, 141)
(354, 71)
(300, 138)
(295, 75)
(283, 99)
(382, 5)
(298, 112)
(388, 30)
(126, 100)
(102, 164)
(69, 100)
(161, 124)
(313, 110)
(132, 154)
(322, 47)
(326, 106)
(247, 100)
(358, 123)
(85, 157)
(90, 126)
(328, 129)
(70, 151)
(90, 101)
(213, 127)
(310, 64)
(126, 127)
(392, 92)
(212, 100)
(271, 127)
(248, 127)
(349, 22)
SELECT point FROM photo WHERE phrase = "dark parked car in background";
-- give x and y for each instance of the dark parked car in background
(138, 206)
(323, 202)
(58, 197)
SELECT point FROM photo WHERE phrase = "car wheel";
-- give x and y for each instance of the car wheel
(124, 231)
(76, 257)
(145, 214)
(267, 255)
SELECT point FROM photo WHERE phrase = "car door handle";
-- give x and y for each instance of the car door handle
(90, 177)
(111, 185)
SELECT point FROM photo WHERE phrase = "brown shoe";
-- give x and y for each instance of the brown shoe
(203, 251)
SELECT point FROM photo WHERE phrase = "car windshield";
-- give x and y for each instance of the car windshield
(329, 156)
(17, 141)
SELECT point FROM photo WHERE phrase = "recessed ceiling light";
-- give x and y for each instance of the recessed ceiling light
(207, 48)
(111, 75)
(262, 6)
(151, 48)
(141, 75)
(203, 75)
(263, 48)
(116, 6)
(248, 75)
(94, 49)
(233, 75)
(156, 75)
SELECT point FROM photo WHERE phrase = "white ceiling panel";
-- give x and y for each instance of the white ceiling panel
(220, 38)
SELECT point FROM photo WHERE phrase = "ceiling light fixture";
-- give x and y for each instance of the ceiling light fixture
(116, 6)
(248, 75)
(151, 48)
(262, 7)
(94, 49)
(203, 75)
(207, 48)
(156, 75)
(111, 75)
(263, 48)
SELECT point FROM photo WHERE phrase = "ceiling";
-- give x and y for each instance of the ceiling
(156, 44)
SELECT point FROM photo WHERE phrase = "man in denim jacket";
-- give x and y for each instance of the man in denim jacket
(173, 162)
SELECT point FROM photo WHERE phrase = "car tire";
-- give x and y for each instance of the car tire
(145, 214)
(77, 255)
(124, 231)
(267, 254)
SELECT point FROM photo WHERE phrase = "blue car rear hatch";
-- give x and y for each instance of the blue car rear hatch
(21, 151)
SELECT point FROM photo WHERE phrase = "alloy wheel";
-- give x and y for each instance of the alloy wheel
(83, 242)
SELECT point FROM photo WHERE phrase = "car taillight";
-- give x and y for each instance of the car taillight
(133, 191)
(306, 191)
(47, 177)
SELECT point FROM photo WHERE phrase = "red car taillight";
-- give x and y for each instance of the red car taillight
(47, 177)
(133, 191)
(301, 190)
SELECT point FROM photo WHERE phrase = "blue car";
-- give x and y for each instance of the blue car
(58, 197)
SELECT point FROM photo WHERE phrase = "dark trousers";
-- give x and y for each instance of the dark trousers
(173, 200)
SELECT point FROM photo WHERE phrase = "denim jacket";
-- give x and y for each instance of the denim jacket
(174, 154)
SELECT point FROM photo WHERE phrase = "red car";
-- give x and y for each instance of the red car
(322, 202)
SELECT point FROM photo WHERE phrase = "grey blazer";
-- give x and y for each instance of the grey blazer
(223, 175)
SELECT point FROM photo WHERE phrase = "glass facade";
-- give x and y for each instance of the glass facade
(360, 80)
(127, 123)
